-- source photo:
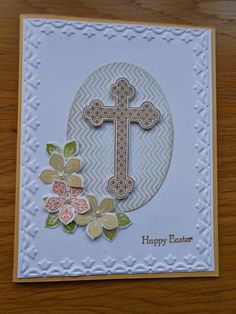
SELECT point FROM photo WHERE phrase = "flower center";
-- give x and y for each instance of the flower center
(61, 176)
(67, 200)
(97, 214)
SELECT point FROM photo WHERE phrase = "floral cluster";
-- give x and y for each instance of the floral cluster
(69, 205)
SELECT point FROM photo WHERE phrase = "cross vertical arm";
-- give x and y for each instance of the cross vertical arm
(121, 115)
(121, 184)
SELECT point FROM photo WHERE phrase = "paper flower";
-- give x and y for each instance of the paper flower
(59, 171)
(98, 217)
(68, 207)
(68, 202)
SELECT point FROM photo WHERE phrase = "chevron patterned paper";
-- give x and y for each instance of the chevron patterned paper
(149, 152)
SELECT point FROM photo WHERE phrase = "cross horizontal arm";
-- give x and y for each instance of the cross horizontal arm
(147, 115)
(96, 113)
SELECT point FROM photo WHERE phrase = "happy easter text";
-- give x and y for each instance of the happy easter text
(170, 239)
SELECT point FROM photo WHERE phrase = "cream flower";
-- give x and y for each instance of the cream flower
(63, 172)
(98, 217)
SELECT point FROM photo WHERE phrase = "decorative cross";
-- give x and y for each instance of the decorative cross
(121, 115)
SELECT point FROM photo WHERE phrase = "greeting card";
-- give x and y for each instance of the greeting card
(116, 151)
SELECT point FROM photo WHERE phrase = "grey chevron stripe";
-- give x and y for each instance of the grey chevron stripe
(150, 151)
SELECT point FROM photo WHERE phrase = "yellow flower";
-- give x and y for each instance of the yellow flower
(98, 217)
(59, 171)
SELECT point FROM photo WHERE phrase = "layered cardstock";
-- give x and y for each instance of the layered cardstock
(116, 173)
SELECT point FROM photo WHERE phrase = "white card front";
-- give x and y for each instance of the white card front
(116, 151)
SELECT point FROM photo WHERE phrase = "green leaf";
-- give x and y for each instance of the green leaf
(45, 198)
(109, 234)
(107, 204)
(123, 220)
(70, 149)
(70, 228)
(51, 148)
(52, 221)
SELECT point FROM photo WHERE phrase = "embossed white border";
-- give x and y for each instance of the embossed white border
(29, 144)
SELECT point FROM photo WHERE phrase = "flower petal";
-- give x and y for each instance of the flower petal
(73, 165)
(66, 215)
(83, 220)
(107, 205)
(94, 229)
(73, 181)
(47, 176)
(59, 188)
(57, 162)
(81, 205)
(52, 204)
(93, 202)
(109, 221)
(74, 192)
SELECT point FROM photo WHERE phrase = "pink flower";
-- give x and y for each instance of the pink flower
(68, 202)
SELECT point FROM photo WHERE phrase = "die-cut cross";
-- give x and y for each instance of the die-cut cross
(121, 115)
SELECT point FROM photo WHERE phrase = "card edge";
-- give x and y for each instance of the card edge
(214, 273)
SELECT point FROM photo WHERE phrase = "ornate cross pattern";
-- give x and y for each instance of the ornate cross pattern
(121, 115)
